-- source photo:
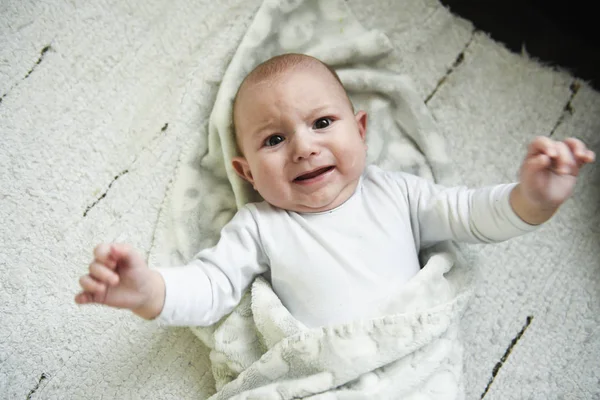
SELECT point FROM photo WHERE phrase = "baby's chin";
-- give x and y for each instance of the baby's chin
(312, 204)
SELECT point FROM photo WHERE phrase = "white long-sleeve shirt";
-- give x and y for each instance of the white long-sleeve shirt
(335, 266)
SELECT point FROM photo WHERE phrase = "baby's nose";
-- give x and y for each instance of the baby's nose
(305, 146)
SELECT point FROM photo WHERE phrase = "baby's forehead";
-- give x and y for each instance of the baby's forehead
(268, 75)
(308, 92)
(261, 80)
(265, 78)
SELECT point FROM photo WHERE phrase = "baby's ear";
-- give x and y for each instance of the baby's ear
(242, 168)
(361, 122)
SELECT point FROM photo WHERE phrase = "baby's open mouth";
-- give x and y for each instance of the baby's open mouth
(313, 174)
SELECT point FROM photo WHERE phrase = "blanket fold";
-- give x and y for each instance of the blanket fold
(260, 350)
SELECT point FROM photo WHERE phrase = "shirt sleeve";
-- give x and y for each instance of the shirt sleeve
(467, 215)
(212, 284)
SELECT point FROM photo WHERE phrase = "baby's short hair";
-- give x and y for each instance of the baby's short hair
(282, 63)
(278, 65)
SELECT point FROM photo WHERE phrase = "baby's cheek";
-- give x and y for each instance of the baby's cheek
(354, 158)
(270, 186)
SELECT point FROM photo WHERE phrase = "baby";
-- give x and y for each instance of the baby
(336, 237)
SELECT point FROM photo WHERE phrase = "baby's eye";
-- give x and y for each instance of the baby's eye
(322, 123)
(274, 140)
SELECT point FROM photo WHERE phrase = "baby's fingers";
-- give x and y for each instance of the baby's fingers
(102, 255)
(123, 253)
(103, 274)
(542, 145)
(576, 146)
(580, 151)
(84, 298)
(565, 162)
(537, 163)
(92, 286)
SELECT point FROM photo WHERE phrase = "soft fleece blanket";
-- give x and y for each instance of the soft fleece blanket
(260, 350)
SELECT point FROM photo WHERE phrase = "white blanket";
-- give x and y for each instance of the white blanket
(260, 350)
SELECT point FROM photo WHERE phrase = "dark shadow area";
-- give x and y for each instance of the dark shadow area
(560, 34)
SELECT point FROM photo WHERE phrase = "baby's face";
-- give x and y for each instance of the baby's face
(304, 149)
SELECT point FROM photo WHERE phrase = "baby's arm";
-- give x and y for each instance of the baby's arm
(458, 213)
(498, 213)
(199, 293)
(211, 285)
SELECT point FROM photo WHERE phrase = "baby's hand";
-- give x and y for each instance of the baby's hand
(549, 172)
(119, 277)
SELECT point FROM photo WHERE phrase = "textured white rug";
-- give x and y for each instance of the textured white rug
(90, 116)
